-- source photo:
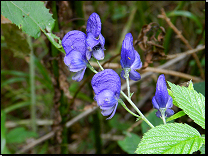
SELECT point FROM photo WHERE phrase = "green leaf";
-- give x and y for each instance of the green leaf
(185, 14)
(191, 102)
(12, 80)
(129, 144)
(16, 106)
(202, 149)
(19, 135)
(172, 138)
(3, 132)
(175, 116)
(31, 16)
(14, 72)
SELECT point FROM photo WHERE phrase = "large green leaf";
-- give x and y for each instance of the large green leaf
(192, 103)
(172, 138)
(129, 144)
(33, 17)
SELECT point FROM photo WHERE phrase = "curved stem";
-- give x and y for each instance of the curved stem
(124, 105)
(135, 107)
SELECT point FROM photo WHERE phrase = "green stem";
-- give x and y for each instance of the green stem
(123, 104)
(100, 65)
(127, 70)
(162, 111)
(91, 68)
(32, 85)
(135, 107)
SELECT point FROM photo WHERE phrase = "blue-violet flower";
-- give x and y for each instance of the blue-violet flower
(74, 44)
(107, 86)
(162, 101)
(95, 40)
(130, 59)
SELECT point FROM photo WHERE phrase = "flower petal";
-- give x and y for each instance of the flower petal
(79, 75)
(127, 51)
(161, 94)
(170, 102)
(122, 74)
(106, 99)
(74, 60)
(169, 112)
(107, 79)
(98, 54)
(74, 40)
(94, 25)
(134, 75)
(137, 64)
(158, 114)
(113, 113)
(155, 104)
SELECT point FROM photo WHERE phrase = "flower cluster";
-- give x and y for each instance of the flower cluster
(79, 47)
(162, 101)
(130, 59)
(107, 86)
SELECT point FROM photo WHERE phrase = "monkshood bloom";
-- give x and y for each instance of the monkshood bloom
(95, 40)
(130, 59)
(162, 101)
(74, 44)
(107, 86)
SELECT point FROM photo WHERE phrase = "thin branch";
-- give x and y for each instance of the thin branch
(174, 73)
(179, 35)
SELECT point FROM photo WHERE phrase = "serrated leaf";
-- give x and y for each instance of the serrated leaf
(172, 138)
(129, 144)
(202, 149)
(175, 116)
(191, 102)
(33, 17)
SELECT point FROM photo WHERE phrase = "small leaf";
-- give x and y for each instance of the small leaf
(129, 144)
(19, 135)
(191, 102)
(175, 116)
(172, 138)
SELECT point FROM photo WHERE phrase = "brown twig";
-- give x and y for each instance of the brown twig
(179, 35)
(174, 73)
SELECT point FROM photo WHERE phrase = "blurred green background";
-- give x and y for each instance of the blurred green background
(38, 97)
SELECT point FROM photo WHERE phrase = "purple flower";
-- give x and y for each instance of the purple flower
(74, 44)
(95, 40)
(130, 59)
(107, 85)
(162, 100)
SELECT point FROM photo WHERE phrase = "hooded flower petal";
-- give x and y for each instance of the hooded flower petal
(161, 94)
(127, 52)
(74, 44)
(107, 85)
(94, 25)
(107, 79)
(162, 100)
(95, 40)
(74, 40)
(137, 64)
